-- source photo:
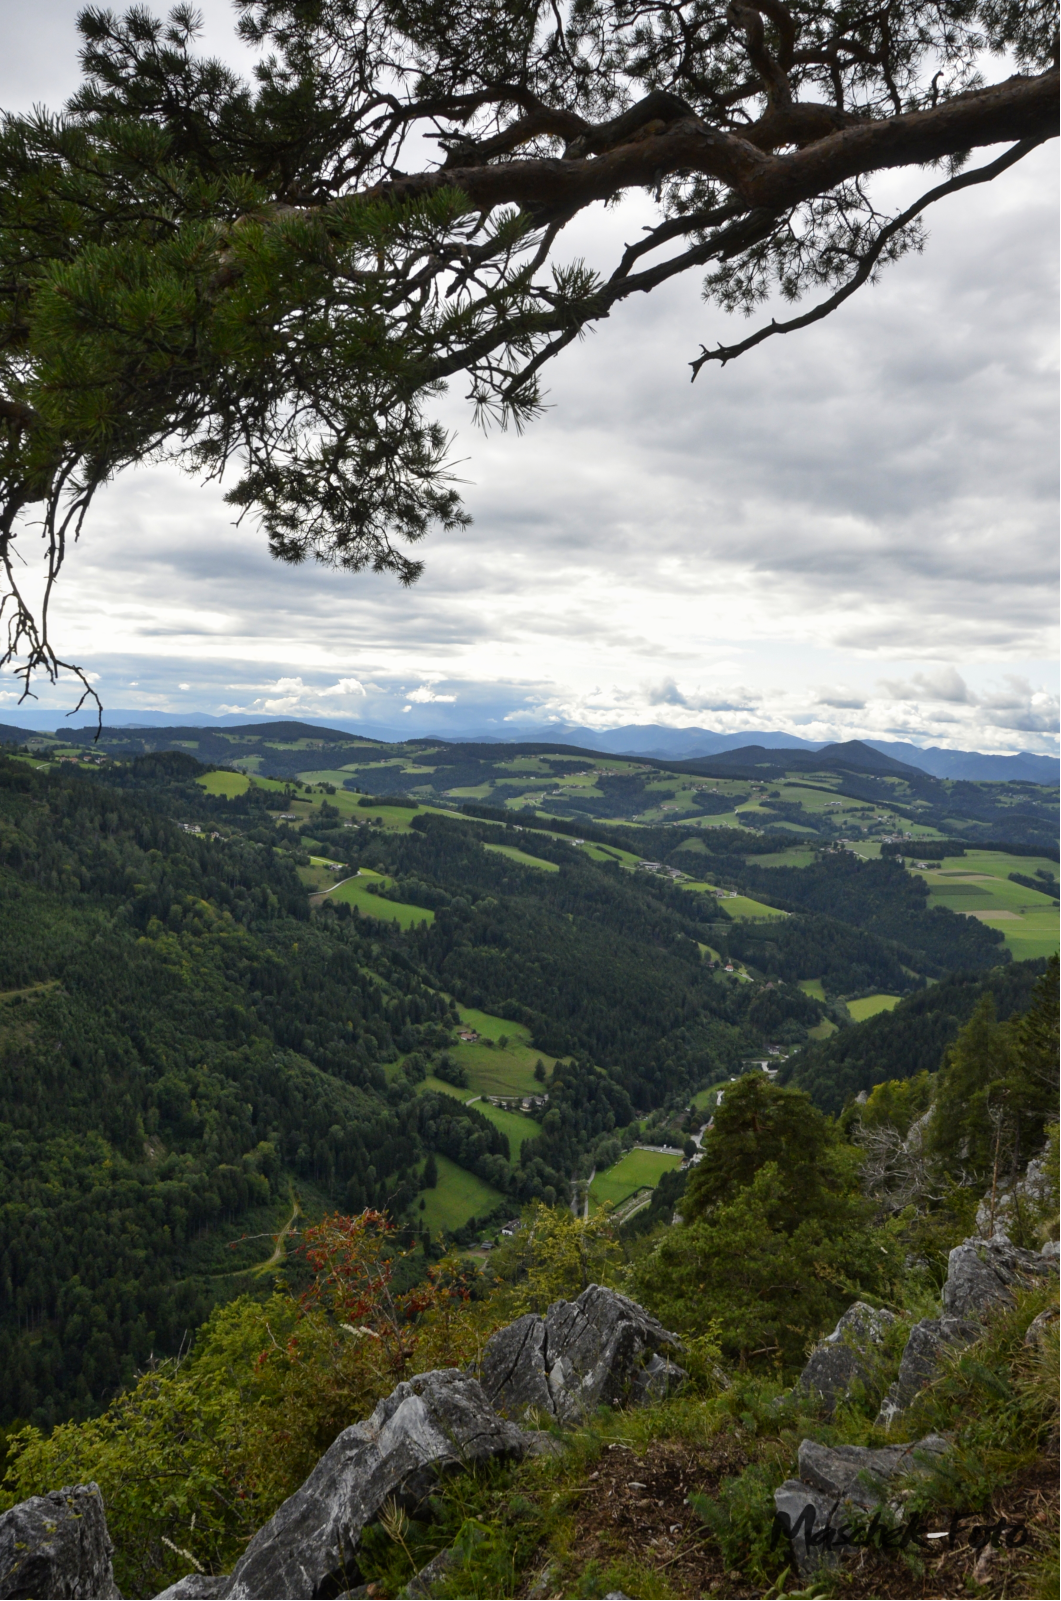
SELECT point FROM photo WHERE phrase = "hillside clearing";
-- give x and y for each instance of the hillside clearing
(355, 892)
(458, 1196)
(637, 1170)
(870, 1005)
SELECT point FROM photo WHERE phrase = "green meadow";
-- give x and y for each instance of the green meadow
(812, 987)
(458, 1196)
(516, 855)
(516, 1125)
(978, 884)
(227, 784)
(355, 892)
(741, 907)
(637, 1170)
(494, 1069)
(870, 1005)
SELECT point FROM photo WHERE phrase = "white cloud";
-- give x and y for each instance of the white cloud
(345, 686)
(184, 686)
(425, 695)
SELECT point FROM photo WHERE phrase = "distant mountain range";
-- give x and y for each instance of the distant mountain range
(634, 739)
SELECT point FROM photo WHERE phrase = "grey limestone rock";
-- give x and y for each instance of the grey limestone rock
(845, 1357)
(57, 1545)
(814, 1523)
(602, 1349)
(926, 1343)
(980, 1274)
(195, 1587)
(859, 1474)
(431, 1423)
(422, 1587)
(1035, 1192)
(1040, 1326)
(838, 1486)
(984, 1273)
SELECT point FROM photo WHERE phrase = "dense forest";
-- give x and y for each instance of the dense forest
(910, 1040)
(182, 1042)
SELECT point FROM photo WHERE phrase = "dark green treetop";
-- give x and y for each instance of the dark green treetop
(758, 1123)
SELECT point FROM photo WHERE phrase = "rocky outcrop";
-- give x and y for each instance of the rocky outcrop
(57, 1545)
(429, 1424)
(984, 1273)
(838, 1486)
(846, 1358)
(1038, 1329)
(602, 1349)
(981, 1274)
(196, 1587)
(921, 1356)
(1033, 1196)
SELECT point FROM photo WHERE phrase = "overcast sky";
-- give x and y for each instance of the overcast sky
(850, 532)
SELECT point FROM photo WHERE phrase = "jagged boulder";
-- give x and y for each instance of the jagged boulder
(981, 1274)
(602, 1349)
(846, 1357)
(838, 1485)
(861, 1474)
(57, 1545)
(921, 1355)
(196, 1587)
(427, 1425)
(984, 1273)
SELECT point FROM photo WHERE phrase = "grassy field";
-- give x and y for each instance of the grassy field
(609, 853)
(514, 1124)
(637, 1170)
(458, 1196)
(978, 885)
(812, 987)
(316, 878)
(516, 855)
(493, 1028)
(741, 907)
(354, 892)
(227, 784)
(705, 1100)
(870, 1005)
(491, 1069)
(508, 1072)
(822, 1030)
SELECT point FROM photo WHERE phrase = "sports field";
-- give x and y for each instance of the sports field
(458, 1196)
(637, 1170)
(355, 892)
(870, 1005)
